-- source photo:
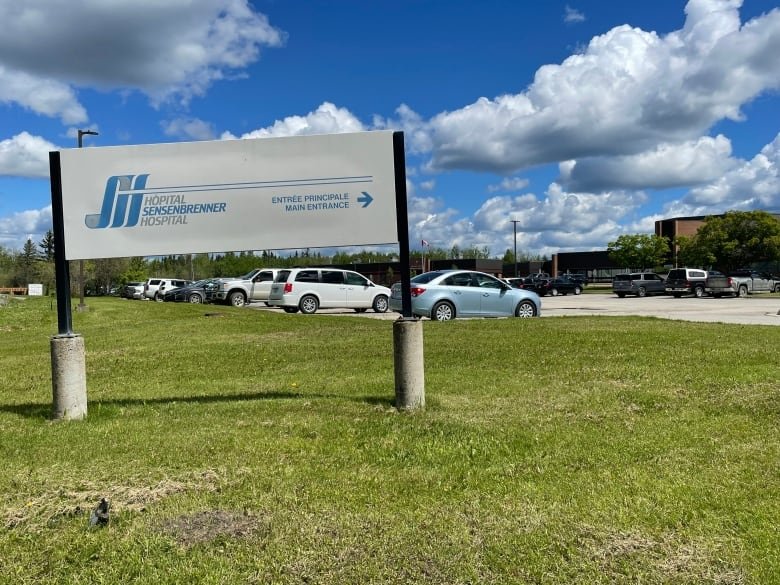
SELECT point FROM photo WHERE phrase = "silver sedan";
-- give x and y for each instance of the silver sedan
(446, 294)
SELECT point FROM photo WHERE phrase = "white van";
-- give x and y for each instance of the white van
(308, 289)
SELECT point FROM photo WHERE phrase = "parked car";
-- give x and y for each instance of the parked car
(167, 285)
(253, 286)
(529, 283)
(443, 295)
(309, 289)
(201, 291)
(580, 279)
(133, 290)
(640, 284)
(560, 285)
(153, 285)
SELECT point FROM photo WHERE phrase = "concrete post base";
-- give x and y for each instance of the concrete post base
(409, 364)
(68, 377)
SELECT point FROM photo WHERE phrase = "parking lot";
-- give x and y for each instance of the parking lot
(762, 309)
(755, 310)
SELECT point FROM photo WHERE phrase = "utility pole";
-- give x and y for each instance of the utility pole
(514, 228)
(81, 306)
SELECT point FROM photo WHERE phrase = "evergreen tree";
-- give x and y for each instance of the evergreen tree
(26, 261)
(47, 246)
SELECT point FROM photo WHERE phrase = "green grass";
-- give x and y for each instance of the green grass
(259, 447)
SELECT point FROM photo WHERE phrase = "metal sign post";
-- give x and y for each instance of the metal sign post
(408, 357)
(68, 363)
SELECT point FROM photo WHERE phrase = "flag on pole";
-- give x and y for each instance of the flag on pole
(425, 243)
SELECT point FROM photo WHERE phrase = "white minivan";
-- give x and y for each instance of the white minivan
(309, 289)
(154, 288)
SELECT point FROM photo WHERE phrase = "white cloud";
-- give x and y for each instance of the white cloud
(326, 119)
(558, 221)
(431, 221)
(628, 92)
(509, 184)
(25, 155)
(417, 138)
(572, 15)
(172, 49)
(43, 96)
(189, 128)
(16, 228)
(559, 210)
(668, 165)
(753, 185)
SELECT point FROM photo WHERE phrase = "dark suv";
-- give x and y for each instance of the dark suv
(640, 284)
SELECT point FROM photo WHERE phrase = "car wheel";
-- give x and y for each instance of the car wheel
(554, 292)
(777, 288)
(309, 304)
(443, 311)
(290, 309)
(380, 304)
(195, 298)
(621, 295)
(361, 310)
(159, 298)
(577, 290)
(642, 292)
(237, 299)
(742, 292)
(698, 292)
(677, 295)
(525, 310)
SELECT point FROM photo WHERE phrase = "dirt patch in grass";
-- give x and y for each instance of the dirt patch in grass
(668, 555)
(48, 507)
(192, 529)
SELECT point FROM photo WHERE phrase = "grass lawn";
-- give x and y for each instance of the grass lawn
(241, 446)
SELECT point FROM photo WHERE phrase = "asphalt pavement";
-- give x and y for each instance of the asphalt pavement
(759, 309)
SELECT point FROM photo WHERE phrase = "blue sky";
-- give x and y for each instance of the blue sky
(581, 120)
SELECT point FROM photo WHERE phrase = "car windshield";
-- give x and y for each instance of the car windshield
(248, 275)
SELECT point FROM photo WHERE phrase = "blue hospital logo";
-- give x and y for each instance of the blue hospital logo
(121, 203)
(128, 202)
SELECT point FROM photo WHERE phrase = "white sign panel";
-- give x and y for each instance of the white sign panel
(230, 195)
(35, 290)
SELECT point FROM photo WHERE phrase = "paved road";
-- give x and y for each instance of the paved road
(762, 309)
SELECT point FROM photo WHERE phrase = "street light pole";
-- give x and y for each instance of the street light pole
(81, 306)
(514, 228)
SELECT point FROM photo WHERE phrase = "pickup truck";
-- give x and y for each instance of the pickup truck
(253, 286)
(718, 284)
(697, 282)
(747, 282)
